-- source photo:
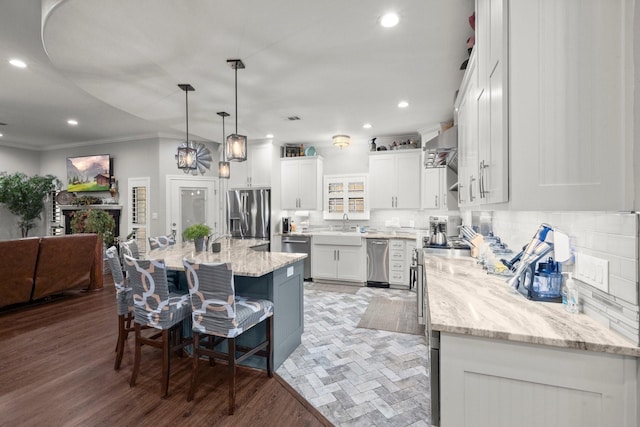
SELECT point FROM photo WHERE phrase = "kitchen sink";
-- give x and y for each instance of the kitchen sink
(345, 238)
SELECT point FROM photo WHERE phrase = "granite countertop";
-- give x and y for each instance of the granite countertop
(407, 235)
(464, 299)
(244, 260)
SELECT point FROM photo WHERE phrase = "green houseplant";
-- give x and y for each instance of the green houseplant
(25, 196)
(197, 233)
(94, 221)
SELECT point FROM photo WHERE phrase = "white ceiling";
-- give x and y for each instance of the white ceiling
(115, 66)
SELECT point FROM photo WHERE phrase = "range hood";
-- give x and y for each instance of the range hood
(442, 150)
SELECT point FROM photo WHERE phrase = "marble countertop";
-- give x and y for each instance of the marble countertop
(464, 299)
(244, 260)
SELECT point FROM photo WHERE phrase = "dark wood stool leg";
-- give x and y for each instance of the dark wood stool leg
(166, 345)
(231, 342)
(122, 336)
(269, 346)
(136, 360)
(194, 367)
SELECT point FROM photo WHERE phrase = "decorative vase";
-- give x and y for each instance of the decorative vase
(199, 243)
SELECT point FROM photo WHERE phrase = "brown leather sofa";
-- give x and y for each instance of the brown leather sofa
(33, 268)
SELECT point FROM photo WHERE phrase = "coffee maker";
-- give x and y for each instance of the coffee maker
(286, 225)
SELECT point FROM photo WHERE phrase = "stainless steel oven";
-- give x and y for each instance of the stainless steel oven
(419, 276)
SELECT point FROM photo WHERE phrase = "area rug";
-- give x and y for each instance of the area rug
(391, 315)
(329, 287)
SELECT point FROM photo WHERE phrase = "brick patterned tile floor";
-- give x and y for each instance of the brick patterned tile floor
(356, 376)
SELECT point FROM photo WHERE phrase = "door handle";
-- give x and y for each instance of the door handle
(436, 201)
(338, 251)
(471, 179)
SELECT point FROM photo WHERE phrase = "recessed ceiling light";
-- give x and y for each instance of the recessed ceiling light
(389, 20)
(367, 125)
(403, 104)
(269, 135)
(72, 122)
(18, 63)
(1, 135)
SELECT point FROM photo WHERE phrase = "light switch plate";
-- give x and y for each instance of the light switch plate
(592, 270)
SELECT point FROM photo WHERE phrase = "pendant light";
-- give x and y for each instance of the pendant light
(224, 168)
(187, 155)
(236, 145)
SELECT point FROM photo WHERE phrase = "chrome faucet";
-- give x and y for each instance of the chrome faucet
(345, 221)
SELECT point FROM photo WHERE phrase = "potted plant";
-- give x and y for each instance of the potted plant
(94, 221)
(197, 233)
(25, 196)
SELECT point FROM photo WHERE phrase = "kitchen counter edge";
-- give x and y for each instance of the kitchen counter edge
(464, 300)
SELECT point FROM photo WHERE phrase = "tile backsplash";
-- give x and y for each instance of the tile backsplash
(608, 235)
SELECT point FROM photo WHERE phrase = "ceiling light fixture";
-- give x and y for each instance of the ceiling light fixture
(403, 104)
(1, 135)
(72, 122)
(389, 20)
(236, 146)
(269, 135)
(224, 167)
(18, 63)
(187, 155)
(367, 126)
(341, 141)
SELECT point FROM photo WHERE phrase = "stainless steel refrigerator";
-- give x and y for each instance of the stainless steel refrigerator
(249, 213)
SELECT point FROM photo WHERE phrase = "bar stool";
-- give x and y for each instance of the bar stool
(156, 307)
(218, 312)
(124, 300)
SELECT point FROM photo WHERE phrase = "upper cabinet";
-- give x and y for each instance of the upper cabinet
(467, 117)
(255, 171)
(570, 113)
(439, 189)
(346, 194)
(301, 179)
(545, 120)
(395, 179)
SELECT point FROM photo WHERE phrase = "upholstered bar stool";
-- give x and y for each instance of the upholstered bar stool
(124, 300)
(219, 314)
(161, 242)
(156, 307)
(130, 248)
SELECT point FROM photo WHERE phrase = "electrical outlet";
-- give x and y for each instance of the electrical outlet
(592, 270)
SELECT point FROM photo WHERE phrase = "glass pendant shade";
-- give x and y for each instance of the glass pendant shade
(236, 148)
(187, 157)
(224, 170)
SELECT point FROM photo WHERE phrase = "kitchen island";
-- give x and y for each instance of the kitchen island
(506, 361)
(275, 276)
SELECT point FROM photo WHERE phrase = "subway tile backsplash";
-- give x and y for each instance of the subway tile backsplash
(608, 235)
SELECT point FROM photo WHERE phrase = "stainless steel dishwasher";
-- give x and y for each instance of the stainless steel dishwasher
(378, 263)
(299, 245)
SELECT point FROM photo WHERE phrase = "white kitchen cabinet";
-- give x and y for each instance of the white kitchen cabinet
(492, 59)
(255, 171)
(301, 181)
(346, 194)
(439, 189)
(488, 382)
(338, 262)
(395, 179)
(554, 130)
(467, 114)
(398, 272)
(570, 121)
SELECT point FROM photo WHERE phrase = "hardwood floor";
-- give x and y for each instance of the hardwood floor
(56, 368)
